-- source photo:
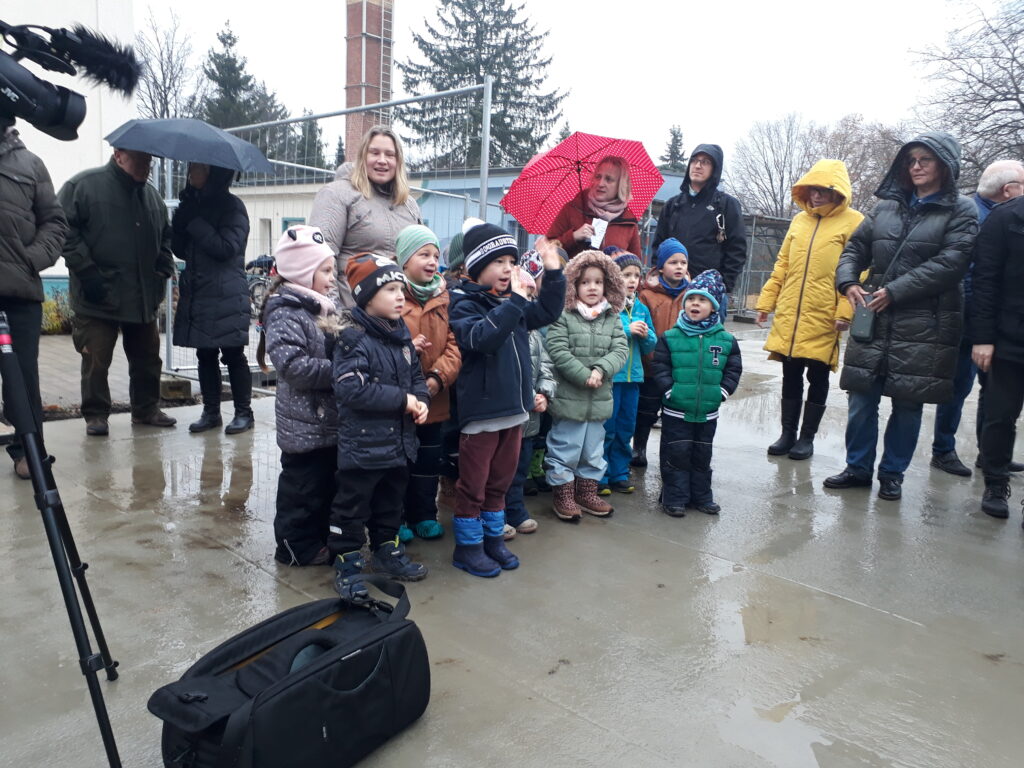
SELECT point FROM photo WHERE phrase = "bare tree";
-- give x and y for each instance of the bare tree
(171, 85)
(767, 163)
(980, 98)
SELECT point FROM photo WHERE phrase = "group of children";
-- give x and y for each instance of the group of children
(371, 398)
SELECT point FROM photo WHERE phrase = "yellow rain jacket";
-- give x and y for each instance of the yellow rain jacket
(802, 288)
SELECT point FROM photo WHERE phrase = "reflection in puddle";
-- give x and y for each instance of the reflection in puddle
(776, 734)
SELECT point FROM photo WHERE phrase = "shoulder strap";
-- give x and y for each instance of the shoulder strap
(895, 256)
(234, 738)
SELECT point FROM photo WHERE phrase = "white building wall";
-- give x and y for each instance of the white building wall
(271, 210)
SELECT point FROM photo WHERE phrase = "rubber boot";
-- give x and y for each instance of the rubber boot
(241, 393)
(390, 558)
(790, 421)
(494, 540)
(804, 447)
(209, 388)
(469, 554)
(348, 576)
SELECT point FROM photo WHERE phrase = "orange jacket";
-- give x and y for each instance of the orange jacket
(441, 360)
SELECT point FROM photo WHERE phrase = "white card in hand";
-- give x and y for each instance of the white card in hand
(600, 227)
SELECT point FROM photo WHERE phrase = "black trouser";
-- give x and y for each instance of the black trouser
(25, 319)
(366, 499)
(793, 369)
(421, 493)
(305, 490)
(238, 375)
(686, 461)
(1004, 396)
(95, 339)
(647, 410)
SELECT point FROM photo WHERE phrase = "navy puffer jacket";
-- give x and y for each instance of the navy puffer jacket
(375, 368)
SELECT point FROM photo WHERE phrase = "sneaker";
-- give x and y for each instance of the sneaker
(508, 532)
(622, 486)
(156, 419)
(950, 462)
(604, 490)
(96, 426)
(405, 534)
(428, 529)
(390, 558)
(529, 525)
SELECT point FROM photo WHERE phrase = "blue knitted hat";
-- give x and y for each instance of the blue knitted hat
(668, 249)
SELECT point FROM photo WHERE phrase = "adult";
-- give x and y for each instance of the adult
(32, 230)
(809, 313)
(118, 254)
(997, 330)
(917, 243)
(1001, 181)
(209, 230)
(708, 221)
(367, 205)
(606, 199)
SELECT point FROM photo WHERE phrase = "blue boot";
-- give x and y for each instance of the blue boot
(348, 577)
(469, 552)
(390, 558)
(494, 541)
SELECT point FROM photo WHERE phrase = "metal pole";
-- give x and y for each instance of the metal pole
(466, 208)
(168, 323)
(485, 144)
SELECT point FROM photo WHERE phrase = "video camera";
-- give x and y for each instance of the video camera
(53, 109)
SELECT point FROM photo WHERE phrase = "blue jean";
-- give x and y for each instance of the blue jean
(618, 430)
(515, 506)
(575, 449)
(862, 434)
(947, 415)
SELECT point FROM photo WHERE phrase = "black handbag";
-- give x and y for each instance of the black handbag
(324, 683)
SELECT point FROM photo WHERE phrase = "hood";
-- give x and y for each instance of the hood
(896, 184)
(614, 287)
(9, 141)
(830, 174)
(715, 153)
(344, 171)
(218, 182)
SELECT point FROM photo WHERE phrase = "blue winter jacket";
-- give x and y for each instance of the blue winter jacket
(375, 368)
(633, 371)
(496, 379)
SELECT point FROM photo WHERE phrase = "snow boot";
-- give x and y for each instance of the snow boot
(589, 501)
(348, 577)
(494, 540)
(390, 558)
(469, 554)
(564, 505)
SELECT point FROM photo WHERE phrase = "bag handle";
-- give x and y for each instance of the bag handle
(391, 588)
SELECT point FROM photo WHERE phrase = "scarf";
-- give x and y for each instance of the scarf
(594, 312)
(607, 209)
(393, 330)
(673, 292)
(424, 293)
(327, 305)
(707, 325)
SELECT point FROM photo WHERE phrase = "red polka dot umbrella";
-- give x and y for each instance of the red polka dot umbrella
(553, 178)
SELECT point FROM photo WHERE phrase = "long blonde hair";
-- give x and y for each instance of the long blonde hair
(358, 177)
(625, 186)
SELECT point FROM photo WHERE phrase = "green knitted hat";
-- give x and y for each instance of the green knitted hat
(411, 239)
(455, 255)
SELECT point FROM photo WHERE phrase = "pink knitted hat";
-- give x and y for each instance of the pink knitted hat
(299, 252)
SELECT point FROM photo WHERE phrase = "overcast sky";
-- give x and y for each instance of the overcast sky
(713, 72)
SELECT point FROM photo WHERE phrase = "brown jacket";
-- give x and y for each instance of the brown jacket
(441, 360)
(622, 232)
(664, 311)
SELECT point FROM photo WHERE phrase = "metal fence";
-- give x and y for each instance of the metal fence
(764, 239)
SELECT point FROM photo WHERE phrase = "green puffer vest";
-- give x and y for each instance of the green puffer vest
(697, 366)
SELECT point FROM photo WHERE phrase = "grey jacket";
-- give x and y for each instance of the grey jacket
(543, 380)
(32, 223)
(354, 224)
(307, 414)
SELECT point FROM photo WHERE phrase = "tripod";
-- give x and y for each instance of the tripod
(62, 543)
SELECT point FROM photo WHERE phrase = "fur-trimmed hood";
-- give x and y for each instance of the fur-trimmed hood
(614, 287)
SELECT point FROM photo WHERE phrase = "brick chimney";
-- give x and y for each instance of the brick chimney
(368, 59)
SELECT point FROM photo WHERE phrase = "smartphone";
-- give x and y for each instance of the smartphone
(862, 328)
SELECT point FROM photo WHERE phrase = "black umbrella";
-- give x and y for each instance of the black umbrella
(192, 141)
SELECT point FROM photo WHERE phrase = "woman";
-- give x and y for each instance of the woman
(209, 232)
(809, 312)
(367, 204)
(917, 242)
(606, 198)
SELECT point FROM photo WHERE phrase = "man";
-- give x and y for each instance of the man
(705, 219)
(118, 253)
(32, 230)
(997, 330)
(1001, 181)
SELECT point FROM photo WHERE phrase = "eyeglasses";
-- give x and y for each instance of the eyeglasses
(702, 161)
(924, 162)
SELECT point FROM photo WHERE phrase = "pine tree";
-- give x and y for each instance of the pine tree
(471, 39)
(310, 144)
(339, 152)
(674, 158)
(564, 132)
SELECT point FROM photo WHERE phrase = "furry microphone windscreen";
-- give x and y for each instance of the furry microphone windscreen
(105, 62)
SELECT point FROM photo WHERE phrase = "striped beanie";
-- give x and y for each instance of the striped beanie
(411, 239)
(483, 244)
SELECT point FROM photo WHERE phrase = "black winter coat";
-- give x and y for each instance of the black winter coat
(997, 307)
(209, 232)
(693, 221)
(916, 338)
(375, 368)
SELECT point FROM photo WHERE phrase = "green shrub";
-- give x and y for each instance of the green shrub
(57, 314)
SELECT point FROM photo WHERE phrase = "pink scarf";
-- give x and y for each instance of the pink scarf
(607, 209)
(327, 305)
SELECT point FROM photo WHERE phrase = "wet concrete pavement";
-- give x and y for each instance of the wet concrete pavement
(803, 627)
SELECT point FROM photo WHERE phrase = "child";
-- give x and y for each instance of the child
(587, 348)
(663, 296)
(492, 316)
(295, 316)
(426, 315)
(639, 329)
(517, 517)
(697, 365)
(382, 396)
